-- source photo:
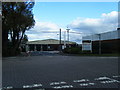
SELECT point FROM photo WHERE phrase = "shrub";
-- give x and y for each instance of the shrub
(86, 52)
(72, 50)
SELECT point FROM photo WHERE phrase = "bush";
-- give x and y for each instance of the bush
(72, 50)
(86, 52)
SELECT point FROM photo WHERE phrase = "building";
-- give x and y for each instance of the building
(108, 42)
(47, 45)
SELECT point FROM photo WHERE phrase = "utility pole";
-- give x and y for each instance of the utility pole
(68, 35)
(60, 46)
(64, 39)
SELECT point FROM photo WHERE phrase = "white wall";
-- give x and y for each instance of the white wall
(86, 46)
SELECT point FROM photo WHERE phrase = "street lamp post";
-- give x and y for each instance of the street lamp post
(60, 46)
(64, 39)
(68, 35)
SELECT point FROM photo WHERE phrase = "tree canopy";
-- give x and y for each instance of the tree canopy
(17, 18)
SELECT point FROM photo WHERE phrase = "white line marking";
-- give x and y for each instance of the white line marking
(106, 80)
(37, 85)
(58, 83)
(101, 78)
(87, 84)
(9, 87)
(116, 76)
(65, 86)
(32, 86)
(82, 80)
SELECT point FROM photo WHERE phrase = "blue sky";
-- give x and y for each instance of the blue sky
(64, 12)
(72, 14)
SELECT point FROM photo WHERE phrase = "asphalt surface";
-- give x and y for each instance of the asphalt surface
(57, 71)
(44, 53)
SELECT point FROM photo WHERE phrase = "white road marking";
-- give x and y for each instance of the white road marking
(32, 86)
(37, 85)
(58, 83)
(116, 76)
(106, 80)
(82, 80)
(112, 81)
(87, 84)
(9, 87)
(102, 78)
(64, 86)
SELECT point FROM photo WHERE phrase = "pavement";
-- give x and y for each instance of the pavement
(58, 71)
(44, 53)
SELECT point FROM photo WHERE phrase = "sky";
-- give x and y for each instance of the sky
(82, 18)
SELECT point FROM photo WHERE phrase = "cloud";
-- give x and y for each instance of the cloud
(78, 27)
(43, 30)
(107, 22)
(41, 36)
(44, 26)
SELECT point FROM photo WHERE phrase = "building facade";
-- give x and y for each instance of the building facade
(47, 45)
(108, 42)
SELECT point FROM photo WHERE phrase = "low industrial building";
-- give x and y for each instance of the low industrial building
(108, 42)
(48, 45)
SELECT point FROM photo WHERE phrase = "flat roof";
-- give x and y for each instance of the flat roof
(103, 36)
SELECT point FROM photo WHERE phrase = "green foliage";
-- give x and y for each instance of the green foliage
(72, 50)
(86, 52)
(17, 18)
(25, 39)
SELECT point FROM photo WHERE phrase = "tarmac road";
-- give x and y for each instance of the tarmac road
(44, 53)
(60, 72)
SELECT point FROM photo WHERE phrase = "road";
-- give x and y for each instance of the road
(57, 71)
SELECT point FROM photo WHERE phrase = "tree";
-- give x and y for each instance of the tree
(25, 39)
(18, 18)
